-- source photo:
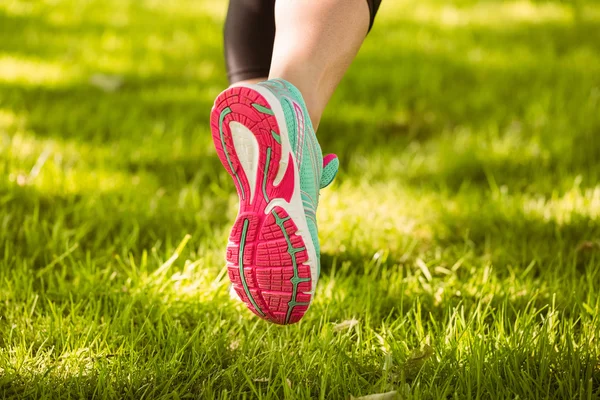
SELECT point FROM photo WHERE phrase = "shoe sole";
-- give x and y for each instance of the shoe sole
(271, 260)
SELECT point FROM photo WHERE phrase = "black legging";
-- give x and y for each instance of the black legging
(249, 37)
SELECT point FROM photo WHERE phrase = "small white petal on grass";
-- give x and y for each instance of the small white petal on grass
(21, 179)
(233, 295)
(423, 267)
(344, 325)
(442, 271)
(25, 179)
(378, 396)
(39, 164)
(108, 83)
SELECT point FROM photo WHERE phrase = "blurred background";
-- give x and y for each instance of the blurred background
(468, 138)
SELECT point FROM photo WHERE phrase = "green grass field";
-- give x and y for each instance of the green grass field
(461, 240)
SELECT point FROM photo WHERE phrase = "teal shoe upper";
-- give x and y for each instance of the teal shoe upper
(305, 146)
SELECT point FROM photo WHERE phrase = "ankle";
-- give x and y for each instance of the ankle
(310, 94)
(248, 82)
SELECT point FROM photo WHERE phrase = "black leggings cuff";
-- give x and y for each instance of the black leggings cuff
(373, 8)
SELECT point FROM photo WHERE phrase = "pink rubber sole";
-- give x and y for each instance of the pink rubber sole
(265, 257)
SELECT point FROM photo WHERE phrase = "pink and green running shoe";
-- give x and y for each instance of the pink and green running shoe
(266, 142)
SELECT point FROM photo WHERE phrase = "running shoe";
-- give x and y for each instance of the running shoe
(266, 142)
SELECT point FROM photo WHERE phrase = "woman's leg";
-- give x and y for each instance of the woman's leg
(266, 142)
(315, 42)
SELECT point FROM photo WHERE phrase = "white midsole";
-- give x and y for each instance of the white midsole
(246, 149)
(294, 208)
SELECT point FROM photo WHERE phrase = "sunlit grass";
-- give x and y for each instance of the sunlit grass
(506, 12)
(460, 241)
(32, 72)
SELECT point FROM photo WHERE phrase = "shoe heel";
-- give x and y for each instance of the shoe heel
(266, 263)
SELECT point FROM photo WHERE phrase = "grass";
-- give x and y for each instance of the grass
(461, 241)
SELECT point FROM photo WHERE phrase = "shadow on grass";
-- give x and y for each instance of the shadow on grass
(464, 94)
(538, 87)
(417, 94)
